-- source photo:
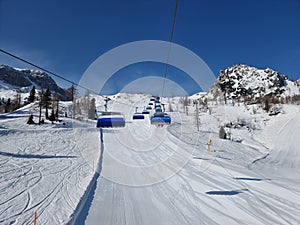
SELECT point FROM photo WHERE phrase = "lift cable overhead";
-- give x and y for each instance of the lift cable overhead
(58, 76)
(170, 47)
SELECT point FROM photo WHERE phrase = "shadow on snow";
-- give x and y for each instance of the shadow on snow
(250, 178)
(196, 157)
(32, 156)
(233, 192)
(82, 209)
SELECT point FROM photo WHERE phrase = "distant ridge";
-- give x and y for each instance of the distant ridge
(24, 79)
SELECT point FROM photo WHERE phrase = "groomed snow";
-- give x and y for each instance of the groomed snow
(44, 168)
(152, 175)
(224, 186)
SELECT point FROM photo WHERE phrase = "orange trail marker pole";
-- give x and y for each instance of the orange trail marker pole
(34, 220)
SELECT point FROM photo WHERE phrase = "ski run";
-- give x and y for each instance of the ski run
(70, 172)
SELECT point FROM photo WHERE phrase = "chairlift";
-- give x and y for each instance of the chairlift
(110, 120)
(138, 116)
(160, 119)
(145, 112)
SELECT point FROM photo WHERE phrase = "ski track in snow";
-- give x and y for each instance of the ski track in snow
(42, 170)
(48, 169)
(209, 189)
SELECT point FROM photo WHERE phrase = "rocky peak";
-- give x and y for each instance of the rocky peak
(240, 81)
(26, 78)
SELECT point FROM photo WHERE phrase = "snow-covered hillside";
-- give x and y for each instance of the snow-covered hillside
(44, 168)
(142, 174)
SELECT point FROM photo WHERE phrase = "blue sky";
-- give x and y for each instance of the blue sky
(67, 36)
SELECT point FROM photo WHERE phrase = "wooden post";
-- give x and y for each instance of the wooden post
(57, 105)
(197, 115)
(73, 100)
(40, 114)
(34, 220)
(208, 145)
(41, 103)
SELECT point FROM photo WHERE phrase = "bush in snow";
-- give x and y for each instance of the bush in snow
(30, 119)
(222, 133)
(275, 109)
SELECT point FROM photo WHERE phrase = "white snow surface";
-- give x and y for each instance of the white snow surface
(44, 168)
(142, 174)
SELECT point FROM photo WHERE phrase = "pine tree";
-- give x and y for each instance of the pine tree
(41, 104)
(46, 101)
(170, 106)
(31, 97)
(52, 116)
(186, 103)
(55, 104)
(267, 104)
(71, 93)
(86, 102)
(8, 105)
(91, 113)
(77, 108)
(17, 102)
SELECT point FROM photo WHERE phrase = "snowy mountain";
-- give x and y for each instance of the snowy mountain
(23, 80)
(242, 81)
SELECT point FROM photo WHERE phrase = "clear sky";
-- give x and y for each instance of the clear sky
(66, 36)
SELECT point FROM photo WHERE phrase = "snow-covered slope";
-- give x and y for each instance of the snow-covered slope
(142, 174)
(143, 181)
(44, 168)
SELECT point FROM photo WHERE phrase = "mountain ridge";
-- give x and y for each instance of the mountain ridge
(241, 81)
(24, 79)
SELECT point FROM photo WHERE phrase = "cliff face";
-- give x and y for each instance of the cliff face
(14, 77)
(243, 81)
(26, 78)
